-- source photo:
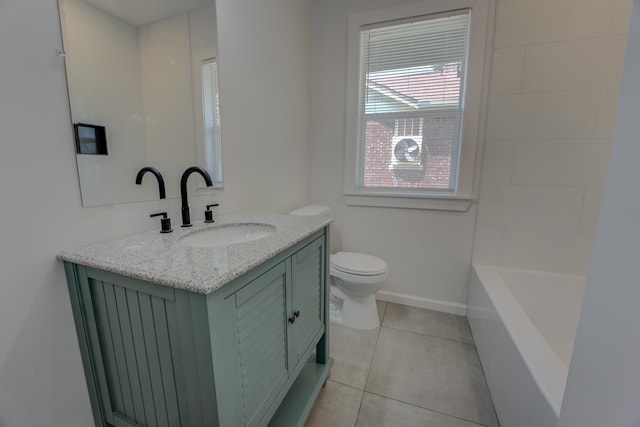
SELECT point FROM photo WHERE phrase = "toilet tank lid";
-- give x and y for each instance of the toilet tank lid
(311, 210)
(355, 263)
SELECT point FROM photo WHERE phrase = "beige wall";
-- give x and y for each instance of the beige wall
(555, 82)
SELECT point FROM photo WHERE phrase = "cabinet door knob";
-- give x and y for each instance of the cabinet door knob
(292, 319)
(296, 313)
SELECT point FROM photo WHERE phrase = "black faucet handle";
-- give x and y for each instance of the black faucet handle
(208, 214)
(165, 222)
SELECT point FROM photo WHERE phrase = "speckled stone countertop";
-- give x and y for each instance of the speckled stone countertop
(162, 259)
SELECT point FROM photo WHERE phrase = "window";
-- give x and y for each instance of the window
(211, 119)
(414, 91)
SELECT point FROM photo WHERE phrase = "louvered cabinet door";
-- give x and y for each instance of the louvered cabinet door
(307, 306)
(262, 342)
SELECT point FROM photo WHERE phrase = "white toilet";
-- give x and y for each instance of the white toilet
(355, 278)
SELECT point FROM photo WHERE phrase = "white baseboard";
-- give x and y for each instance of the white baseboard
(413, 301)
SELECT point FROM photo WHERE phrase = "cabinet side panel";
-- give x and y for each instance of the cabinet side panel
(135, 343)
(107, 346)
(93, 373)
(110, 334)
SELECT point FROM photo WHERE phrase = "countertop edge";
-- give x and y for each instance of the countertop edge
(194, 269)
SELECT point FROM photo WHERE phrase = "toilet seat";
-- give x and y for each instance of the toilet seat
(358, 264)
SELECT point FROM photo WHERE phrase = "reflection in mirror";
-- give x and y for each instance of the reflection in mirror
(146, 71)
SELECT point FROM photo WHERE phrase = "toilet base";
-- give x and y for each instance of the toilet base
(355, 312)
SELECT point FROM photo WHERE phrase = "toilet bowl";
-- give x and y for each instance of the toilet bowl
(354, 280)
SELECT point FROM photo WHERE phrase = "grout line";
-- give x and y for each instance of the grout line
(364, 391)
(375, 347)
(429, 335)
(609, 34)
(346, 385)
(427, 409)
(549, 91)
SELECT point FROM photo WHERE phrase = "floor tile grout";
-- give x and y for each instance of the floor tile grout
(427, 335)
(422, 407)
(384, 311)
(359, 406)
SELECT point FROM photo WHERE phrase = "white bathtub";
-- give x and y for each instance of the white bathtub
(524, 325)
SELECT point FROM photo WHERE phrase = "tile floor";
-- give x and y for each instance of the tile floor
(419, 369)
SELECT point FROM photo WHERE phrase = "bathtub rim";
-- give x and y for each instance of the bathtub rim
(546, 368)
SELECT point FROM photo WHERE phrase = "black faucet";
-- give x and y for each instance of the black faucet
(158, 176)
(186, 218)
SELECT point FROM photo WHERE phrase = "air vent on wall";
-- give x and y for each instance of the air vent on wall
(406, 152)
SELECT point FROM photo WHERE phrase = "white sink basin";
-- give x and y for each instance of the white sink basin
(228, 235)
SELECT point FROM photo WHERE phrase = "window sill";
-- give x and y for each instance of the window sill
(403, 201)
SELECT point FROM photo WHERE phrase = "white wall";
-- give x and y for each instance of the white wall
(41, 377)
(264, 88)
(555, 82)
(428, 252)
(603, 387)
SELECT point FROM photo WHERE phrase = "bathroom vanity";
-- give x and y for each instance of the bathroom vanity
(212, 335)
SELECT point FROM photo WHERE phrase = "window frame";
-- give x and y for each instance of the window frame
(473, 114)
(198, 59)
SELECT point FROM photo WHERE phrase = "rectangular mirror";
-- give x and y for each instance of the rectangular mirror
(144, 73)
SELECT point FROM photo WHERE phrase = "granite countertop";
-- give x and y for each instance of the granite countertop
(160, 258)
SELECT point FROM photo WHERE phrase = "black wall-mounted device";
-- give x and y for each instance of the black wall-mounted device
(90, 139)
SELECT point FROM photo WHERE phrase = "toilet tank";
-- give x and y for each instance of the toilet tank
(311, 210)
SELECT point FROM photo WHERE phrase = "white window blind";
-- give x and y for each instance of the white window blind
(211, 112)
(411, 106)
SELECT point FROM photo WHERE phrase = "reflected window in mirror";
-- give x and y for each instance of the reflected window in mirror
(211, 118)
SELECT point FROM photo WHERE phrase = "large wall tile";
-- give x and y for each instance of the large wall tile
(591, 209)
(487, 245)
(551, 117)
(577, 64)
(563, 252)
(524, 22)
(607, 112)
(555, 115)
(572, 162)
(549, 208)
(621, 16)
(497, 162)
(506, 70)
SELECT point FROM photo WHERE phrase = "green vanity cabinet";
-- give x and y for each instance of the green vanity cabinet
(252, 352)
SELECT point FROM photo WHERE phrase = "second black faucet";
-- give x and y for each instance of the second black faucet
(186, 217)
